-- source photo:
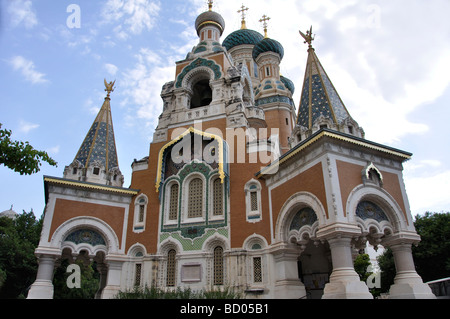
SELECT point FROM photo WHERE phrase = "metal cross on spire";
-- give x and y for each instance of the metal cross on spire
(264, 21)
(242, 12)
(210, 4)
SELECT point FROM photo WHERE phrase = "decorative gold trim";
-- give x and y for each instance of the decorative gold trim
(268, 169)
(91, 186)
(210, 22)
(174, 141)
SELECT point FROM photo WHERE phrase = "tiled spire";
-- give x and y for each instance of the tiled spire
(96, 160)
(320, 104)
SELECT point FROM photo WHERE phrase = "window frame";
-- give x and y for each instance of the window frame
(211, 215)
(139, 225)
(185, 199)
(252, 215)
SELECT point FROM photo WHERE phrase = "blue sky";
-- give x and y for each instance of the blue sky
(389, 61)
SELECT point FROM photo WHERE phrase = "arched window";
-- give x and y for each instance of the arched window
(253, 201)
(202, 94)
(171, 268)
(140, 212)
(217, 198)
(218, 266)
(173, 202)
(195, 198)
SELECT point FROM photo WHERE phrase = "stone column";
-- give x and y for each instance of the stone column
(113, 280)
(407, 282)
(42, 288)
(287, 282)
(344, 281)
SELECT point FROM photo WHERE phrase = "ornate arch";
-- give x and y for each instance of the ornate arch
(111, 241)
(295, 203)
(197, 67)
(380, 197)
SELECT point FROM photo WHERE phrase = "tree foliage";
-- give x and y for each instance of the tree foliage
(18, 265)
(21, 156)
(432, 255)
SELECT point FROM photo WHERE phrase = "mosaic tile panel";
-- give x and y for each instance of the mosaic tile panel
(306, 216)
(368, 210)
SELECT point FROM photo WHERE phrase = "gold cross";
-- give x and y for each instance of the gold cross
(210, 4)
(264, 21)
(242, 11)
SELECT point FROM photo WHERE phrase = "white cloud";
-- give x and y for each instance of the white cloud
(53, 150)
(21, 13)
(131, 16)
(111, 69)
(142, 86)
(26, 127)
(27, 69)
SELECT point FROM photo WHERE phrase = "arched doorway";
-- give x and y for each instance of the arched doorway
(314, 262)
(81, 270)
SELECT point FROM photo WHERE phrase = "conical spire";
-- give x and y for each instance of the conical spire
(320, 104)
(96, 160)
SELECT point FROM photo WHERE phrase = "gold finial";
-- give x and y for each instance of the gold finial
(264, 21)
(242, 11)
(109, 87)
(309, 38)
(210, 4)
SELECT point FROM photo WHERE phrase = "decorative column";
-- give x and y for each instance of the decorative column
(344, 281)
(407, 283)
(42, 288)
(287, 282)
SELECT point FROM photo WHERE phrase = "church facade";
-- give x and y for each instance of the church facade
(241, 188)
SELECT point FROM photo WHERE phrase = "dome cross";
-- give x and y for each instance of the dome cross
(242, 12)
(264, 20)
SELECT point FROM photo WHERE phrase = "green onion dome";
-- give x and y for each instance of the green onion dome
(268, 45)
(242, 36)
(288, 84)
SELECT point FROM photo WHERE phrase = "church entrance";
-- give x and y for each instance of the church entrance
(79, 275)
(314, 268)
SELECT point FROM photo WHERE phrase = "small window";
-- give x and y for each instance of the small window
(141, 213)
(173, 202)
(350, 129)
(218, 266)
(254, 201)
(171, 268)
(267, 71)
(287, 121)
(257, 269)
(323, 126)
(96, 171)
(74, 170)
(137, 275)
(217, 197)
(140, 210)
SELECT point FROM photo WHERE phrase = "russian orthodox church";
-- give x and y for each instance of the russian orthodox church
(241, 188)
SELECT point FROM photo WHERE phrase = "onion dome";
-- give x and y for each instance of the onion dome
(288, 84)
(209, 18)
(242, 36)
(9, 214)
(268, 45)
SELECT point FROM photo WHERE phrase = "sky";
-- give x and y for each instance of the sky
(389, 61)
